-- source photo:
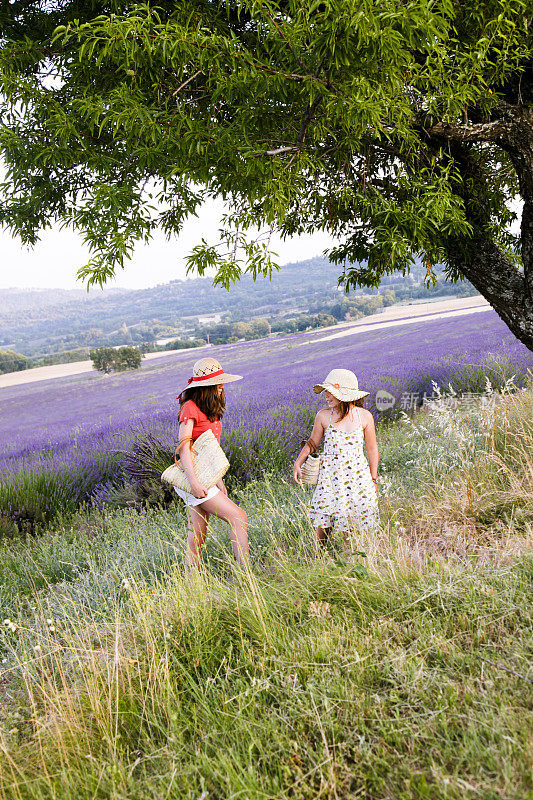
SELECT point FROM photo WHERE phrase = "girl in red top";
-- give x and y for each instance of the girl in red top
(202, 406)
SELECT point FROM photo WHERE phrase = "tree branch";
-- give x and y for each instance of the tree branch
(526, 235)
(310, 113)
(306, 121)
(279, 150)
(510, 121)
(182, 85)
(483, 132)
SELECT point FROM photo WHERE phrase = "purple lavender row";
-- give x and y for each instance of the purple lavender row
(84, 435)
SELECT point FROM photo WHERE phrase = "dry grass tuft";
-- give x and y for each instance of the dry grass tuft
(482, 507)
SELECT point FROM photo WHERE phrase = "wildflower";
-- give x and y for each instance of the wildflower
(10, 625)
(37, 647)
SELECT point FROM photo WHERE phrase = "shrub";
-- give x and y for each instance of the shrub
(32, 499)
(13, 362)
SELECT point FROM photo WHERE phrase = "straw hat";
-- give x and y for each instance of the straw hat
(342, 384)
(208, 372)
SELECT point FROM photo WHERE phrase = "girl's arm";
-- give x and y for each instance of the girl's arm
(185, 430)
(371, 445)
(316, 437)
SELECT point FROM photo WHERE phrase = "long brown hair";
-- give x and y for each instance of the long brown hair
(208, 400)
(344, 408)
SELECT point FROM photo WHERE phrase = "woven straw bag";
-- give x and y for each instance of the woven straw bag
(209, 462)
(311, 466)
(310, 469)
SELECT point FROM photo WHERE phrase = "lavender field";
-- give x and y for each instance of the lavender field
(77, 437)
(399, 670)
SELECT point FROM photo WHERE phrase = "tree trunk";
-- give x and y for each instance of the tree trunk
(508, 288)
(501, 283)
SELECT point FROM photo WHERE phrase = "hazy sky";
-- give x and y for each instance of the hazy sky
(55, 260)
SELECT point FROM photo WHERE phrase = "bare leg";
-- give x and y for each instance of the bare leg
(222, 507)
(321, 540)
(197, 532)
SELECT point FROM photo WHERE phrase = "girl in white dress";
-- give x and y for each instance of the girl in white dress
(345, 497)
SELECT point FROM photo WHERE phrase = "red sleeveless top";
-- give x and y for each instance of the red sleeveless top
(201, 423)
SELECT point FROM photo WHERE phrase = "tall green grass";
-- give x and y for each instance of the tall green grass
(401, 673)
(302, 681)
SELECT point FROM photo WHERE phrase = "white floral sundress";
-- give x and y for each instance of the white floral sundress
(345, 496)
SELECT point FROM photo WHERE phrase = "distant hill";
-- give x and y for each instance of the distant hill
(40, 321)
(13, 301)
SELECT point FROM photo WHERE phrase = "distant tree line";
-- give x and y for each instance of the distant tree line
(303, 322)
(322, 308)
(175, 344)
(67, 357)
(225, 332)
(324, 315)
(12, 362)
(121, 318)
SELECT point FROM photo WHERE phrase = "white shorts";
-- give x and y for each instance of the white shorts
(191, 500)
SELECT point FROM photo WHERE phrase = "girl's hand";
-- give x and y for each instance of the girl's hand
(222, 487)
(297, 474)
(198, 489)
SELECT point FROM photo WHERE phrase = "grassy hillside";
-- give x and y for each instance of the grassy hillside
(34, 323)
(400, 673)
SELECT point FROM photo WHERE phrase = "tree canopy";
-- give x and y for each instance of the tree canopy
(110, 359)
(403, 127)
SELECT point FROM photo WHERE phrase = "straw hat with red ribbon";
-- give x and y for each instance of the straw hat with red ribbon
(208, 372)
(342, 384)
